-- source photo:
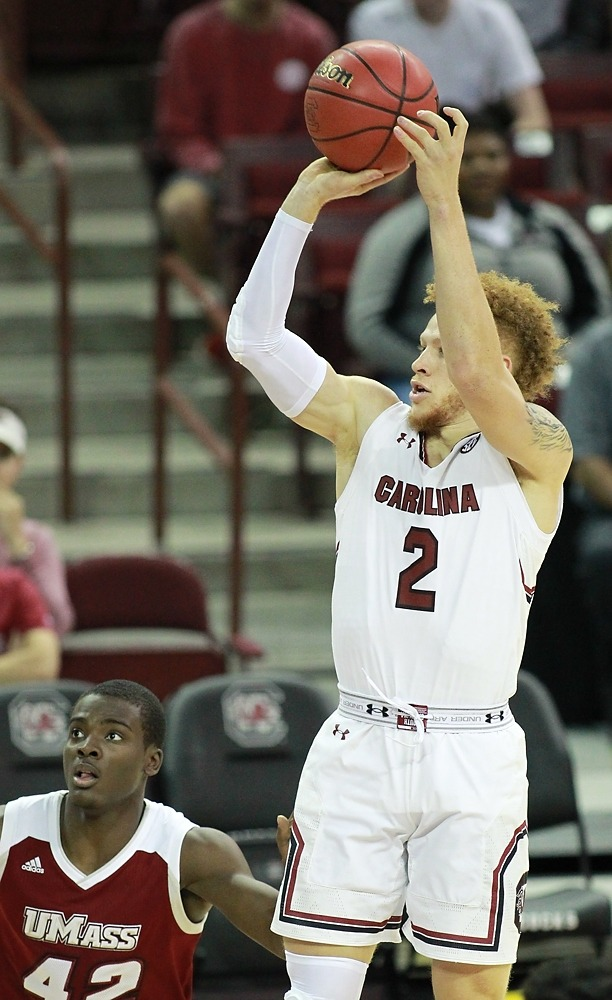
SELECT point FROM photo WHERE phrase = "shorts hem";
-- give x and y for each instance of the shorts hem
(464, 956)
(321, 935)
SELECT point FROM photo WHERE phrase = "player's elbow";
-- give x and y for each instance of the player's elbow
(248, 338)
(231, 334)
(237, 336)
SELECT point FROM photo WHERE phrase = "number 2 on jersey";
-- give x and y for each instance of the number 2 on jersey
(409, 596)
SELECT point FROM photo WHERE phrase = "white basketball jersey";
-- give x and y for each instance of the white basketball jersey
(435, 573)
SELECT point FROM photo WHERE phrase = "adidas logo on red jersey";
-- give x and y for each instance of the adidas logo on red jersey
(34, 865)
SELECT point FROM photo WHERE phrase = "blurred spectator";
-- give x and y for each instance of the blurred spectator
(477, 52)
(229, 68)
(545, 22)
(578, 978)
(558, 25)
(23, 541)
(586, 410)
(30, 646)
(589, 25)
(335, 12)
(534, 241)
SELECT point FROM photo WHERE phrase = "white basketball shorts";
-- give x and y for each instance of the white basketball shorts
(424, 838)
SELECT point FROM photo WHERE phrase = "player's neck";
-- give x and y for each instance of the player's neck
(91, 838)
(437, 443)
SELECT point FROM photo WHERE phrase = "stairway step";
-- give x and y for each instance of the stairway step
(109, 315)
(116, 373)
(111, 176)
(94, 298)
(293, 626)
(282, 552)
(113, 474)
(104, 244)
(113, 393)
(94, 104)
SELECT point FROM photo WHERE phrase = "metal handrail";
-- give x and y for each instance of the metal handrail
(229, 454)
(13, 63)
(57, 253)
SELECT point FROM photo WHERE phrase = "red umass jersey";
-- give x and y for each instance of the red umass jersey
(220, 80)
(120, 933)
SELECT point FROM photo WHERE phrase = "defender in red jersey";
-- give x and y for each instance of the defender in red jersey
(103, 892)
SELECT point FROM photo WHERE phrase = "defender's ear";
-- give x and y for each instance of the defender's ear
(154, 762)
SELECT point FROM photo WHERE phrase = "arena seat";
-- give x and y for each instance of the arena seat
(141, 617)
(33, 729)
(577, 910)
(234, 753)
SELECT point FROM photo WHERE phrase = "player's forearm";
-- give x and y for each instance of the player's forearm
(36, 657)
(270, 941)
(257, 320)
(288, 369)
(260, 902)
(469, 337)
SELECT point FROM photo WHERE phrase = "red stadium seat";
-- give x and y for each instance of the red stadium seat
(578, 88)
(140, 617)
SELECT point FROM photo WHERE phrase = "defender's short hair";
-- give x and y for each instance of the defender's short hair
(148, 704)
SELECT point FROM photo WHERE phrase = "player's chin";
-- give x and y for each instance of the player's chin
(424, 420)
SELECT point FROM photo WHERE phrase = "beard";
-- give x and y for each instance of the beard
(430, 419)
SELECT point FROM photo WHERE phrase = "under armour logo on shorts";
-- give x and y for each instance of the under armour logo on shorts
(342, 733)
(378, 710)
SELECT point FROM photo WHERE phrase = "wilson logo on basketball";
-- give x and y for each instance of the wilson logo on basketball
(332, 71)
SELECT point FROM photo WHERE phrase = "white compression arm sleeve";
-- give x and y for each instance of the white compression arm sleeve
(287, 368)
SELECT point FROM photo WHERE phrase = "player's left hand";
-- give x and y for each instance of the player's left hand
(438, 157)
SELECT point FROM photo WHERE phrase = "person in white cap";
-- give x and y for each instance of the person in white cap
(25, 542)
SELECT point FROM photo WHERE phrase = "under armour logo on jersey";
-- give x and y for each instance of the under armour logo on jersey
(490, 716)
(34, 865)
(342, 733)
(402, 440)
(378, 710)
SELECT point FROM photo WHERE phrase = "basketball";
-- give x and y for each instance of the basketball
(354, 98)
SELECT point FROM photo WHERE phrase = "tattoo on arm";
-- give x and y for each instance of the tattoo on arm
(548, 432)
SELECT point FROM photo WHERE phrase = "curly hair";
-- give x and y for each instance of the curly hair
(526, 330)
